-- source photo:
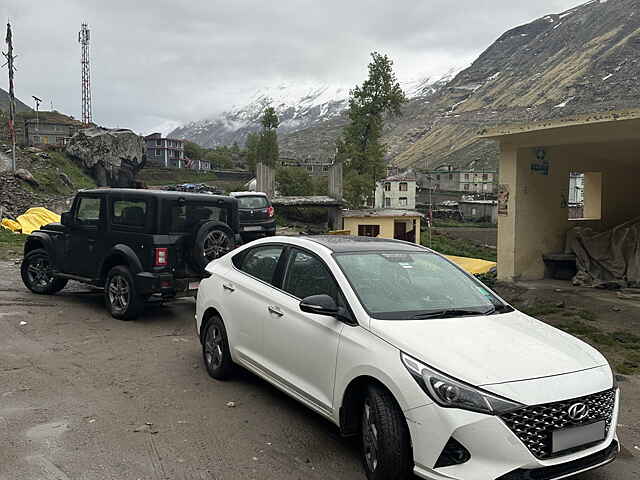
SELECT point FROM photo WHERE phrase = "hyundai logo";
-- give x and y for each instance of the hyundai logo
(578, 411)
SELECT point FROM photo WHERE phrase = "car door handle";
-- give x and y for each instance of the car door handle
(275, 311)
(228, 287)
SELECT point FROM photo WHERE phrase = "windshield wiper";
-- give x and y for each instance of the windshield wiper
(450, 312)
(499, 308)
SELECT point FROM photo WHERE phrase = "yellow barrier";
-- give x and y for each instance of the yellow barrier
(474, 266)
(31, 220)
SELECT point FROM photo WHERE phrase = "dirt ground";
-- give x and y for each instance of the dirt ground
(85, 396)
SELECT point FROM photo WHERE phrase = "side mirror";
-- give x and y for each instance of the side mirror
(320, 305)
(66, 219)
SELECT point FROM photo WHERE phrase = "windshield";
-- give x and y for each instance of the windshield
(253, 202)
(400, 285)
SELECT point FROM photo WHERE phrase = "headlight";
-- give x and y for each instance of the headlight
(451, 393)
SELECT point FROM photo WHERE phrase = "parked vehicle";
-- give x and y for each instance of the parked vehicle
(256, 214)
(394, 343)
(134, 243)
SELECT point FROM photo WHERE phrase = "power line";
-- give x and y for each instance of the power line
(83, 38)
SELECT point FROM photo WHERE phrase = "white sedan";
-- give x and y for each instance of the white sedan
(396, 344)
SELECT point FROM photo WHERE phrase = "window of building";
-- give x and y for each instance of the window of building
(474, 212)
(159, 142)
(387, 186)
(485, 177)
(387, 202)
(450, 176)
(158, 152)
(437, 177)
(466, 186)
(585, 196)
(403, 201)
(405, 187)
(466, 176)
(368, 230)
(36, 139)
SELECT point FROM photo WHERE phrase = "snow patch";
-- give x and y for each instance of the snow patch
(607, 77)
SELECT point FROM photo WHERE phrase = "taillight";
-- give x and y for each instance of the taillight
(161, 257)
(271, 211)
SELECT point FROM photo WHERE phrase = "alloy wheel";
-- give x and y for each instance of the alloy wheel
(39, 272)
(369, 438)
(119, 293)
(216, 244)
(213, 347)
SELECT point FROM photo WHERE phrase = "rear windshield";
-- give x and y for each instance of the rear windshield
(253, 202)
(185, 218)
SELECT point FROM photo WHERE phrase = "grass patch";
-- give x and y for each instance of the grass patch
(539, 309)
(10, 242)
(169, 176)
(579, 328)
(587, 315)
(447, 245)
(47, 174)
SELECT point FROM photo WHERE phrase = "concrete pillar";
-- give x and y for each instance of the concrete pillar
(507, 223)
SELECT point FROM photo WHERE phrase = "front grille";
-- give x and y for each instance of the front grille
(533, 425)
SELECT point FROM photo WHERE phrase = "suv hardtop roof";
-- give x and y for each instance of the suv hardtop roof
(347, 243)
(168, 194)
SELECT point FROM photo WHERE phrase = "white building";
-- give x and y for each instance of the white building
(397, 192)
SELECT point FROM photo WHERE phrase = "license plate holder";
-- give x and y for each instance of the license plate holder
(257, 228)
(194, 285)
(577, 436)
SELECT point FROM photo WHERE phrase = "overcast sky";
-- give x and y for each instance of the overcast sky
(158, 63)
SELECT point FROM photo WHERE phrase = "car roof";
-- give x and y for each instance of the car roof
(169, 194)
(347, 243)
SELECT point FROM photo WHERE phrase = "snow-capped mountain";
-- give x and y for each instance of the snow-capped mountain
(298, 106)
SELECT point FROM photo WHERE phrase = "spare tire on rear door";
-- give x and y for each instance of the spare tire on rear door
(212, 240)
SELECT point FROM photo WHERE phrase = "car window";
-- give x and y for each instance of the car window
(129, 213)
(186, 217)
(88, 212)
(307, 275)
(252, 202)
(261, 262)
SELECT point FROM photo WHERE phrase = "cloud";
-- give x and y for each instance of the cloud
(159, 63)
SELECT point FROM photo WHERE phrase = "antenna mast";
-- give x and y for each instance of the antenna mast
(12, 102)
(83, 39)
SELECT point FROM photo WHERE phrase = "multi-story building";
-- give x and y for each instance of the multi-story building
(165, 152)
(47, 128)
(469, 181)
(397, 192)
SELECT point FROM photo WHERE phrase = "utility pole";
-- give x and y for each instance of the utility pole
(12, 101)
(83, 38)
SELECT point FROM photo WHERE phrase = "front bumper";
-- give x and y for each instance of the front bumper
(496, 452)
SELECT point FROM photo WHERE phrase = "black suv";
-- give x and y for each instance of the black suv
(256, 215)
(133, 243)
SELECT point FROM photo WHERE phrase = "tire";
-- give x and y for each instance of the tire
(36, 273)
(120, 295)
(212, 240)
(386, 445)
(215, 350)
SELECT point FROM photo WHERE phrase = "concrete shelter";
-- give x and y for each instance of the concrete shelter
(383, 223)
(536, 163)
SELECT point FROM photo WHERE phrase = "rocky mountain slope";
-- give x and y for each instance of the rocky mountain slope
(4, 103)
(582, 61)
(299, 107)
